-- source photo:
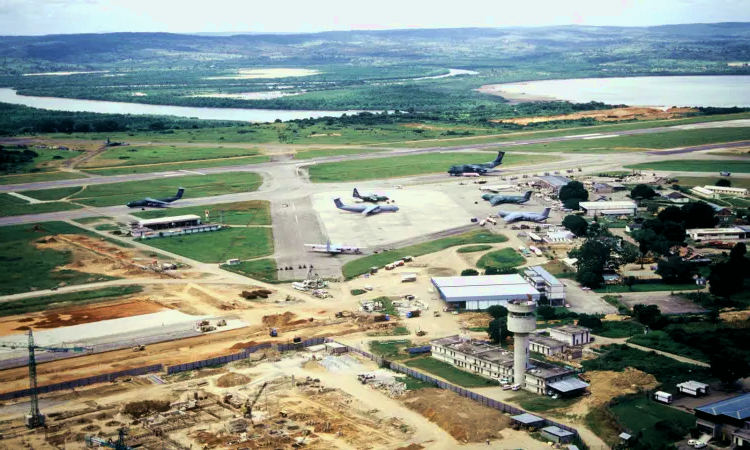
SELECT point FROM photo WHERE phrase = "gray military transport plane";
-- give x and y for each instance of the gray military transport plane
(365, 210)
(524, 216)
(481, 169)
(156, 202)
(500, 199)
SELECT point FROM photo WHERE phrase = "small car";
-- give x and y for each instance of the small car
(506, 387)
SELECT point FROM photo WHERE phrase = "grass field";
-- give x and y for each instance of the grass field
(659, 340)
(503, 258)
(136, 155)
(258, 269)
(309, 154)
(151, 168)
(25, 267)
(253, 212)
(541, 403)
(474, 248)
(39, 177)
(36, 304)
(36, 208)
(641, 414)
(7, 200)
(52, 194)
(695, 165)
(653, 287)
(89, 220)
(195, 186)
(449, 373)
(402, 166)
(617, 330)
(711, 181)
(362, 265)
(219, 246)
(391, 350)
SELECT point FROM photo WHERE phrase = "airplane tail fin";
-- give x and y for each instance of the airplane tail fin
(355, 194)
(338, 202)
(546, 211)
(180, 191)
(499, 159)
(527, 195)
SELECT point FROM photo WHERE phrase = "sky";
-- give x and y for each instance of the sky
(36, 17)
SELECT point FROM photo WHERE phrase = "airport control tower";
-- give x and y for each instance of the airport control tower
(521, 322)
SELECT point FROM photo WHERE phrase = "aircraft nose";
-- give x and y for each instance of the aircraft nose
(395, 208)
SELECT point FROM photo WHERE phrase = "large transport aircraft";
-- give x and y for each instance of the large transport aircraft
(156, 202)
(525, 216)
(500, 199)
(333, 249)
(365, 210)
(372, 198)
(481, 169)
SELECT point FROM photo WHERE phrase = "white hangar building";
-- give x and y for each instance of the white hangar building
(483, 291)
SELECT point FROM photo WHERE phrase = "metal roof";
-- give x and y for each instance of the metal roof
(693, 385)
(511, 290)
(479, 280)
(527, 418)
(568, 384)
(625, 436)
(172, 219)
(555, 180)
(542, 272)
(608, 205)
(557, 431)
(735, 407)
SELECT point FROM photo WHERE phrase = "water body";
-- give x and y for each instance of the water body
(8, 95)
(719, 91)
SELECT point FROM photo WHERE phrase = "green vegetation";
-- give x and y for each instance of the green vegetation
(661, 340)
(695, 165)
(35, 304)
(195, 185)
(26, 267)
(7, 200)
(650, 287)
(37, 208)
(362, 265)
(401, 166)
(703, 181)
(474, 248)
(51, 194)
(218, 246)
(21, 159)
(107, 227)
(358, 291)
(413, 384)
(388, 307)
(619, 329)
(309, 154)
(659, 425)
(541, 403)
(89, 220)
(450, 373)
(391, 350)
(259, 269)
(225, 162)
(503, 258)
(137, 155)
(39, 177)
(667, 371)
(252, 212)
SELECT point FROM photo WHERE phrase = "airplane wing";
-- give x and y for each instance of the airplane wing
(153, 200)
(371, 210)
(496, 201)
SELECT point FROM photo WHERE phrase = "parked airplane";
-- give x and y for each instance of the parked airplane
(372, 198)
(365, 210)
(332, 249)
(524, 216)
(156, 202)
(481, 169)
(496, 188)
(500, 199)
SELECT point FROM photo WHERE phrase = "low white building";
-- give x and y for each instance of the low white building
(726, 190)
(694, 388)
(559, 237)
(482, 291)
(171, 226)
(614, 208)
(717, 234)
(545, 345)
(548, 286)
(571, 334)
(703, 192)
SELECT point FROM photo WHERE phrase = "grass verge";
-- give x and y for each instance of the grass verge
(218, 246)
(500, 259)
(51, 194)
(37, 208)
(391, 350)
(35, 304)
(309, 154)
(449, 373)
(139, 155)
(695, 165)
(541, 403)
(90, 220)
(39, 177)
(225, 162)
(474, 248)
(258, 269)
(362, 265)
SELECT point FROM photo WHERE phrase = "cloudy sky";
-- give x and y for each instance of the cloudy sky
(26, 17)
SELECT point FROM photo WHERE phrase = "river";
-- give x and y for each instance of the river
(8, 95)
(719, 91)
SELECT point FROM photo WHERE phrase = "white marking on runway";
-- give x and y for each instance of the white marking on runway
(296, 219)
(172, 175)
(583, 135)
(602, 137)
(192, 171)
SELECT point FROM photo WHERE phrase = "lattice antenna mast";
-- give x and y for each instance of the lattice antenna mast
(35, 418)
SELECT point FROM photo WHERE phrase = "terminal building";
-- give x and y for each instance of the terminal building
(171, 226)
(728, 419)
(548, 286)
(618, 208)
(717, 234)
(481, 292)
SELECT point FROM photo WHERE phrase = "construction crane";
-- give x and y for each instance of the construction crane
(119, 444)
(35, 418)
(248, 406)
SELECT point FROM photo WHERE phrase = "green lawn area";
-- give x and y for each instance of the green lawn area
(651, 287)
(641, 414)
(37, 208)
(401, 166)
(616, 330)
(219, 246)
(391, 350)
(90, 220)
(695, 165)
(309, 154)
(413, 384)
(52, 194)
(259, 269)
(107, 227)
(35, 304)
(474, 248)
(195, 186)
(159, 154)
(25, 267)
(253, 212)
(506, 257)
(362, 265)
(11, 200)
(450, 373)
(711, 181)
(39, 177)
(659, 340)
(179, 166)
(541, 403)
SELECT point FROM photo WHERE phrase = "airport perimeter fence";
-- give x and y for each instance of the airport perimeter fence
(107, 377)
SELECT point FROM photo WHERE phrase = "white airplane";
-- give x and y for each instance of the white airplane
(332, 249)
(497, 188)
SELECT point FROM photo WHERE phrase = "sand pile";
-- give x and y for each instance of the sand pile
(606, 385)
(232, 379)
(277, 320)
(476, 319)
